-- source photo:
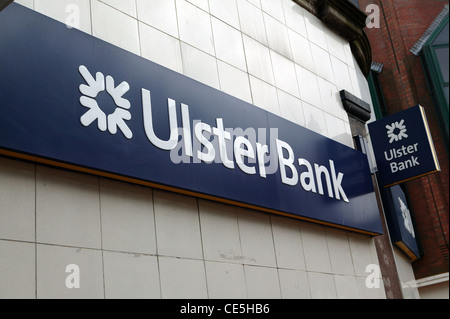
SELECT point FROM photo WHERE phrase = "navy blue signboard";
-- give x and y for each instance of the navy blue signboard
(71, 100)
(403, 146)
(400, 220)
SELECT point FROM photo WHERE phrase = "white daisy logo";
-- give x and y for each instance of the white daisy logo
(396, 131)
(91, 90)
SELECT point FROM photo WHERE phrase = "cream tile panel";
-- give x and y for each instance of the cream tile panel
(199, 66)
(274, 8)
(301, 51)
(17, 200)
(67, 208)
(277, 36)
(346, 287)
(264, 95)
(51, 272)
(322, 63)
(126, 6)
(234, 82)
(308, 85)
(131, 276)
(258, 58)
(228, 44)
(284, 73)
(115, 27)
(220, 232)
(177, 225)
(17, 270)
(225, 281)
(315, 119)
(294, 284)
(322, 286)
(291, 108)
(256, 238)
(160, 14)
(252, 22)
(160, 47)
(294, 17)
(226, 11)
(288, 243)
(339, 250)
(182, 278)
(315, 248)
(262, 282)
(127, 217)
(195, 26)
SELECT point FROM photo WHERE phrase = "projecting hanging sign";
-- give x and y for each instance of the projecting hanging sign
(71, 100)
(403, 146)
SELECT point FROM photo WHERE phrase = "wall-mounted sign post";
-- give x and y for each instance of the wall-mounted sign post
(403, 147)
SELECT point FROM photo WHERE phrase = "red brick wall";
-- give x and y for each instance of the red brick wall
(402, 23)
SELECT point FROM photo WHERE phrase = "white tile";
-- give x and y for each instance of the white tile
(127, 217)
(202, 4)
(294, 284)
(67, 208)
(126, 6)
(314, 28)
(160, 47)
(262, 282)
(274, 8)
(234, 82)
(277, 36)
(308, 85)
(340, 255)
(52, 262)
(182, 278)
(131, 276)
(256, 3)
(115, 27)
(322, 286)
(301, 50)
(337, 130)
(225, 281)
(252, 22)
(17, 270)
(74, 13)
(256, 238)
(331, 100)
(160, 14)
(294, 17)
(291, 108)
(288, 243)
(226, 11)
(370, 293)
(346, 287)
(341, 74)
(195, 26)
(228, 44)
(315, 119)
(17, 200)
(264, 95)
(322, 63)
(335, 44)
(258, 58)
(199, 66)
(284, 73)
(220, 232)
(315, 248)
(361, 253)
(177, 225)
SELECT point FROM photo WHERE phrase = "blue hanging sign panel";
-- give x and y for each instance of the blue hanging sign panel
(403, 147)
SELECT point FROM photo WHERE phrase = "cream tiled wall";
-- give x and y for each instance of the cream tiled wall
(131, 241)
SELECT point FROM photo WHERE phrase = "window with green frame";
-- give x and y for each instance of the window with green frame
(435, 61)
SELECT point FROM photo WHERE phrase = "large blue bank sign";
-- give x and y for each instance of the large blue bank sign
(71, 100)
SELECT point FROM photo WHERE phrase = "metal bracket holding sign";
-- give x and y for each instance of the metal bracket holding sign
(403, 147)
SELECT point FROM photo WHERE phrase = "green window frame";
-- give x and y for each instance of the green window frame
(435, 61)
